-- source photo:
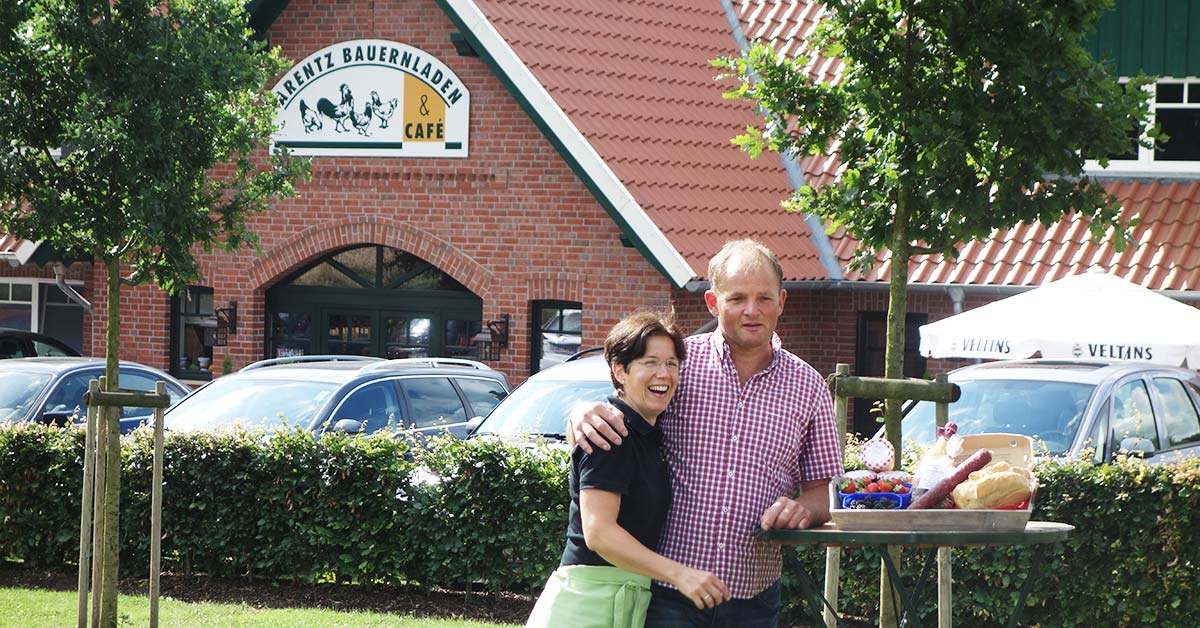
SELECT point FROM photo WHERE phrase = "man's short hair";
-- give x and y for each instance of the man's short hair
(628, 339)
(752, 252)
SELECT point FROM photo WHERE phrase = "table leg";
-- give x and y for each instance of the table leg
(1034, 564)
(906, 598)
(945, 578)
(808, 588)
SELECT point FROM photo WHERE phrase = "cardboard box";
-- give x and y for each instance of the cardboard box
(1015, 449)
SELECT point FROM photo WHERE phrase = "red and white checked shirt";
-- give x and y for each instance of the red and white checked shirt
(733, 450)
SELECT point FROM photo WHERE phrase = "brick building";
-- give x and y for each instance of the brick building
(583, 170)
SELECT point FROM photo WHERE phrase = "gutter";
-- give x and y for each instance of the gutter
(956, 292)
(795, 175)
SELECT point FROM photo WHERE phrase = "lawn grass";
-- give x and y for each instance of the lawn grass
(35, 608)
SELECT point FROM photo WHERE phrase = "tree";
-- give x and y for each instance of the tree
(131, 132)
(952, 118)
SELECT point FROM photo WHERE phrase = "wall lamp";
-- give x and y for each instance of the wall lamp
(492, 338)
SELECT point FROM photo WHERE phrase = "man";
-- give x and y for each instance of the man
(751, 442)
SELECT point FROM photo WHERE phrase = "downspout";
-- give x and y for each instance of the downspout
(957, 296)
(60, 280)
(794, 174)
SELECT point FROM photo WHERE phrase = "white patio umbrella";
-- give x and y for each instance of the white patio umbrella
(1091, 315)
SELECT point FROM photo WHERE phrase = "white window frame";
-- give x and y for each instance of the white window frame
(1145, 163)
(35, 301)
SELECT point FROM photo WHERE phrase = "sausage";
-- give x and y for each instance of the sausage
(940, 491)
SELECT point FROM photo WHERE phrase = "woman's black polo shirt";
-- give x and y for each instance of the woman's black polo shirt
(637, 469)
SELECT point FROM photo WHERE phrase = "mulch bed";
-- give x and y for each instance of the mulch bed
(508, 608)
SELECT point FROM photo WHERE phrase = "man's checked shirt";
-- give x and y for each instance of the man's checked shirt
(734, 450)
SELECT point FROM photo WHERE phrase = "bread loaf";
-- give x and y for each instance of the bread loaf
(994, 486)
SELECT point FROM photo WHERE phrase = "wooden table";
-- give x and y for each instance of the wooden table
(1037, 535)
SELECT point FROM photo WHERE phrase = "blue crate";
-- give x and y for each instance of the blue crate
(902, 498)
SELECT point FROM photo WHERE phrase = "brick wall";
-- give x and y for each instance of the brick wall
(512, 222)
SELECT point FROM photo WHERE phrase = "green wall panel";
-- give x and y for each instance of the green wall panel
(1158, 37)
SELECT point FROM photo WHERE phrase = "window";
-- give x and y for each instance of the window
(434, 402)
(193, 333)
(376, 405)
(16, 306)
(1179, 412)
(46, 349)
(59, 317)
(1176, 109)
(1133, 418)
(557, 332)
(133, 380)
(483, 394)
(42, 307)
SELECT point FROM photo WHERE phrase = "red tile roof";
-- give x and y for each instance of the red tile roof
(1164, 255)
(634, 78)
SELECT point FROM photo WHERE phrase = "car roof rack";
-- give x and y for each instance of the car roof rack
(580, 354)
(302, 359)
(385, 365)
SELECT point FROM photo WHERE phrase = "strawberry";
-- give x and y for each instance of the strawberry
(872, 487)
(901, 489)
(885, 486)
(849, 488)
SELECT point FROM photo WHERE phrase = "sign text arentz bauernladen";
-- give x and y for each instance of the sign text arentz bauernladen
(372, 97)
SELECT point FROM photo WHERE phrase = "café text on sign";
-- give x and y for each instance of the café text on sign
(372, 97)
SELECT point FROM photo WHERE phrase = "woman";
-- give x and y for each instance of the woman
(620, 497)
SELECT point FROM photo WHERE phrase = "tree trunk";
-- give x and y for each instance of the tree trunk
(112, 434)
(894, 369)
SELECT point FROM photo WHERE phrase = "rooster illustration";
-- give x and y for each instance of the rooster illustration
(383, 110)
(362, 121)
(338, 113)
(312, 121)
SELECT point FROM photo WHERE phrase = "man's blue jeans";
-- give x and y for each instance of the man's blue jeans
(671, 609)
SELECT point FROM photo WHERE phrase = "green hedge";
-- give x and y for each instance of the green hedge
(359, 510)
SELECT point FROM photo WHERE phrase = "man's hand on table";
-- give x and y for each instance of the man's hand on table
(596, 425)
(786, 514)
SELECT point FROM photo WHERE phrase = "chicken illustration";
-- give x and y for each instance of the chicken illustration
(362, 121)
(338, 113)
(312, 121)
(383, 110)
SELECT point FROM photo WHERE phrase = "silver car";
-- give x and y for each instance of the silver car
(1072, 405)
(540, 406)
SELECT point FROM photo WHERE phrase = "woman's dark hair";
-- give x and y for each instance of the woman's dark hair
(628, 339)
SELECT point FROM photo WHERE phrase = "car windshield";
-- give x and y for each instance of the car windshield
(541, 407)
(250, 403)
(1049, 411)
(18, 392)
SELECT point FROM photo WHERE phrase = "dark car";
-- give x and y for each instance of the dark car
(1068, 406)
(540, 406)
(50, 390)
(18, 343)
(346, 394)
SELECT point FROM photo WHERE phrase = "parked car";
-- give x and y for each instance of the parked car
(1071, 405)
(18, 343)
(540, 406)
(50, 390)
(352, 394)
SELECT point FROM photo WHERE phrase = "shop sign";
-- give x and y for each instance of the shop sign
(372, 97)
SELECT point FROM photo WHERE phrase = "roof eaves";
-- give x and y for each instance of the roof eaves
(25, 250)
(620, 204)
